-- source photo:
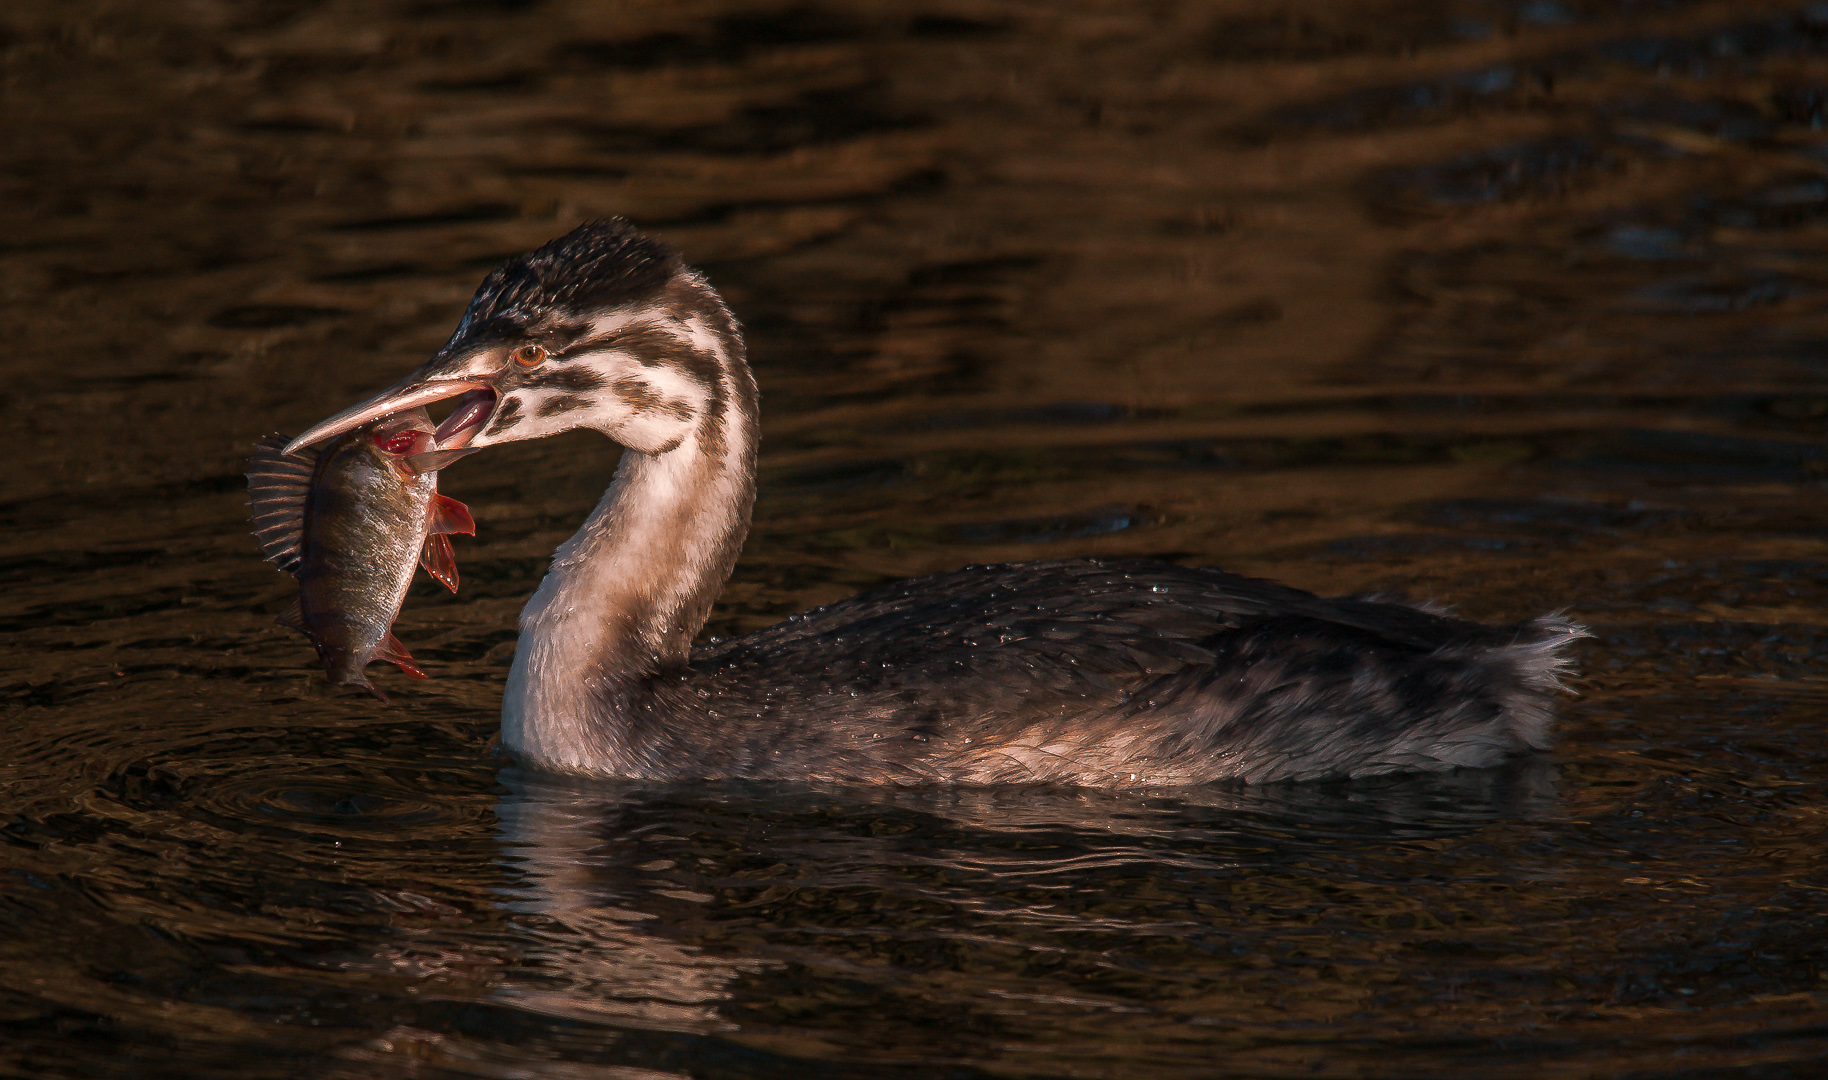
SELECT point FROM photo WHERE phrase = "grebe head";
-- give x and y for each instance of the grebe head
(602, 328)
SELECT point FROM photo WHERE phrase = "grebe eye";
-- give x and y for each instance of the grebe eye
(530, 355)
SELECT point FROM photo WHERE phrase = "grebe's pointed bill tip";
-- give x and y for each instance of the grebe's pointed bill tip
(407, 394)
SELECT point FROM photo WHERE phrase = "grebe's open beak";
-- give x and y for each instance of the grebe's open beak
(478, 402)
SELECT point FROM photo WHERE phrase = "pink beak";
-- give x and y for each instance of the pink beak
(410, 392)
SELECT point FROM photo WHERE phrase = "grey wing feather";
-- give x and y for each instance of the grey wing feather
(988, 640)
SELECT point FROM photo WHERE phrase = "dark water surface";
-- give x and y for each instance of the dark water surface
(1512, 304)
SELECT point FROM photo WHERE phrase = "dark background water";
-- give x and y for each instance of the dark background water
(1511, 304)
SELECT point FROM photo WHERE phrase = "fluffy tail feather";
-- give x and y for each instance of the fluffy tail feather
(1540, 667)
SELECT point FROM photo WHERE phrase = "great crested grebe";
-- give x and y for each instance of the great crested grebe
(1105, 672)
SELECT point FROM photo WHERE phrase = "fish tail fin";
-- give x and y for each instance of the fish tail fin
(395, 653)
(439, 560)
(346, 669)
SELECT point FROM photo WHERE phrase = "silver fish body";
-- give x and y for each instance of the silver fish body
(350, 523)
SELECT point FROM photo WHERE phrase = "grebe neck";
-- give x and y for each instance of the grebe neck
(627, 593)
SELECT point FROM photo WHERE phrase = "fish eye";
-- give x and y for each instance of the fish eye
(530, 355)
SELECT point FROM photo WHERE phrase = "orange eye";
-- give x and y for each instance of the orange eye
(530, 355)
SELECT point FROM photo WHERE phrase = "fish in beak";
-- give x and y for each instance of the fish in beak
(415, 391)
(351, 523)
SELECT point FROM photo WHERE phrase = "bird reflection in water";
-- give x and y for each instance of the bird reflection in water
(632, 909)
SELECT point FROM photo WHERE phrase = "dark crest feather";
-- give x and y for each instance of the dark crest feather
(598, 265)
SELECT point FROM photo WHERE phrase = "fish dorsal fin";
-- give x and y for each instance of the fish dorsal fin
(393, 652)
(439, 560)
(450, 516)
(277, 484)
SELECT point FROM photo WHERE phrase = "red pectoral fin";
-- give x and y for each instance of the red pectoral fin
(395, 653)
(451, 516)
(440, 561)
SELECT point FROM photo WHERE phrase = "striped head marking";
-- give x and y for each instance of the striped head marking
(602, 328)
(645, 373)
